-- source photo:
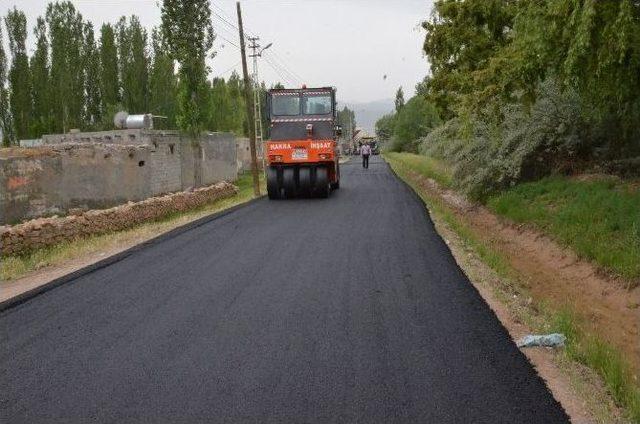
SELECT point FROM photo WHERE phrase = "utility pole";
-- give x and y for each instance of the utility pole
(257, 112)
(257, 107)
(250, 106)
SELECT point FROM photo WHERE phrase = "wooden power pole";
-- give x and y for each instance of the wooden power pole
(250, 107)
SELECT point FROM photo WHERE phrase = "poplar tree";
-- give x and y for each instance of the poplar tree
(237, 109)
(67, 71)
(5, 116)
(19, 80)
(134, 64)
(109, 85)
(219, 118)
(162, 82)
(399, 102)
(40, 82)
(91, 59)
(188, 31)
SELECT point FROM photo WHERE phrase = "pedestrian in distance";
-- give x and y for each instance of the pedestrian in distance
(365, 151)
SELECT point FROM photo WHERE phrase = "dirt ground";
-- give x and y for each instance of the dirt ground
(555, 274)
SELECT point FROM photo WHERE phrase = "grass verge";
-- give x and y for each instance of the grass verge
(582, 348)
(429, 167)
(14, 267)
(598, 219)
(589, 350)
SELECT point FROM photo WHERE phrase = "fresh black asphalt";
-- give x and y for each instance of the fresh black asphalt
(345, 310)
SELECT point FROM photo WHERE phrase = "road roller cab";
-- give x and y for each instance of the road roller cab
(302, 153)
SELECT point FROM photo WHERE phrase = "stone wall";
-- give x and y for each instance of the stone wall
(104, 169)
(42, 232)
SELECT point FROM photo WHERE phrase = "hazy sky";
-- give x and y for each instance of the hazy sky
(350, 44)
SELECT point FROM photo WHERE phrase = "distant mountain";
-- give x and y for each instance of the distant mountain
(368, 113)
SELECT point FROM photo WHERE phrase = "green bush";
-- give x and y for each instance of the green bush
(503, 145)
(414, 120)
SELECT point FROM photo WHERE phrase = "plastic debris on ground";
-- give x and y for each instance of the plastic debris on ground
(543, 340)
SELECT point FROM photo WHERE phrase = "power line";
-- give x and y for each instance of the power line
(277, 60)
(279, 71)
(280, 68)
(227, 71)
(229, 41)
(223, 20)
(288, 76)
(282, 61)
(229, 21)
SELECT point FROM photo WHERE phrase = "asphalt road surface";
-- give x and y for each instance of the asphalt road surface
(349, 309)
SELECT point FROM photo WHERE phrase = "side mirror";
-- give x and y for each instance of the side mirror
(338, 130)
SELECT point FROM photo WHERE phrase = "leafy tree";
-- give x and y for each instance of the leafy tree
(93, 108)
(219, 119)
(134, 64)
(6, 124)
(415, 120)
(592, 46)
(385, 127)
(237, 109)
(19, 80)
(67, 70)
(109, 84)
(347, 120)
(40, 82)
(494, 52)
(461, 38)
(189, 36)
(399, 102)
(162, 82)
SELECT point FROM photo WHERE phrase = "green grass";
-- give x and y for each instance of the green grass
(587, 349)
(13, 267)
(607, 361)
(429, 167)
(599, 220)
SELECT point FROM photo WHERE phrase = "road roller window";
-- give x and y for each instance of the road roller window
(313, 104)
(285, 104)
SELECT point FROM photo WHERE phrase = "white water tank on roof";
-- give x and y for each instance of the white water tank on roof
(123, 120)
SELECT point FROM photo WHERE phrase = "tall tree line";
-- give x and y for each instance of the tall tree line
(78, 76)
(486, 54)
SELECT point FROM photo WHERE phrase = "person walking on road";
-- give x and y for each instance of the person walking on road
(365, 151)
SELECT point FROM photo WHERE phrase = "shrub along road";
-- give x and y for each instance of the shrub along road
(350, 309)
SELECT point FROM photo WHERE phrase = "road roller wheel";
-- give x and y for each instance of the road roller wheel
(322, 182)
(273, 187)
(304, 178)
(289, 182)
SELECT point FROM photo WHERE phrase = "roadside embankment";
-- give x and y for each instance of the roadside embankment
(548, 243)
(43, 232)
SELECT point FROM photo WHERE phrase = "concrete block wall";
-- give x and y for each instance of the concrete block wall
(244, 153)
(126, 165)
(218, 158)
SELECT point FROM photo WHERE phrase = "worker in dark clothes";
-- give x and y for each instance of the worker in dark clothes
(365, 151)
